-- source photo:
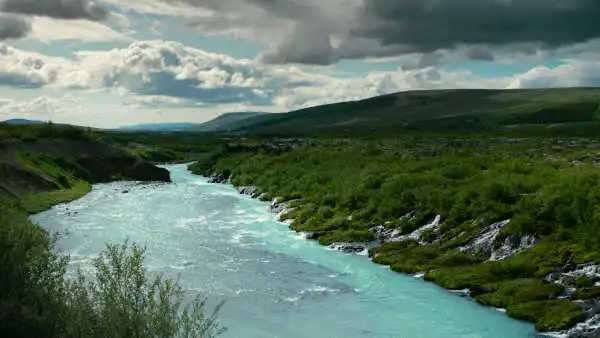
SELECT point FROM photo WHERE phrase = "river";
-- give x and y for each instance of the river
(274, 282)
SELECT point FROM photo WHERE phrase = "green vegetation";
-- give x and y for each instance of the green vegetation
(37, 299)
(10, 133)
(548, 315)
(548, 188)
(165, 147)
(37, 296)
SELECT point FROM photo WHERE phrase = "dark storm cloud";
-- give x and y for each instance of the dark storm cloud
(426, 60)
(314, 49)
(60, 9)
(429, 25)
(377, 28)
(480, 53)
(13, 26)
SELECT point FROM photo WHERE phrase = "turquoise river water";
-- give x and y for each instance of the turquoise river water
(274, 282)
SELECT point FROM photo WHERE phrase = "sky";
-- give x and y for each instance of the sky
(110, 63)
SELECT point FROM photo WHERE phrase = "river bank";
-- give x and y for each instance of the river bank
(587, 325)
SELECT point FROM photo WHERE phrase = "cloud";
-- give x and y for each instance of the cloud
(423, 61)
(60, 9)
(48, 29)
(380, 28)
(168, 75)
(151, 68)
(575, 73)
(13, 26)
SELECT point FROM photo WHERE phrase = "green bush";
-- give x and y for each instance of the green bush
(122, 301)
(37, 299)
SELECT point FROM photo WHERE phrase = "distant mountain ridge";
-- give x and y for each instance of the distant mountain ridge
(228, 121)
(452, 110)
(224, 122)
(22, 121)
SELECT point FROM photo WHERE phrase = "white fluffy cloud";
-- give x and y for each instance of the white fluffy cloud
(169, 76)
(574, 73)
(49, 29)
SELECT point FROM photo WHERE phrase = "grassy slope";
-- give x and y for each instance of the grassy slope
(517, 111)
(532, 182)
(227, 122)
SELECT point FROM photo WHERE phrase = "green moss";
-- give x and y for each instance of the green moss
(592, 292)
(583, 282)
(348, 236)
(503, 294)
(553, 315)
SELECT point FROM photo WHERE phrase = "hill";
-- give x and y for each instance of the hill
(42, 157)
(229, 121)
(567, 110)
(21, 121)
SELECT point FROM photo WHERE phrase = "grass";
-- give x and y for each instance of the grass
(444, 111)
(34, 203)
(553, 315)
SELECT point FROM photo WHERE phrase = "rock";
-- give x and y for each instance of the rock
(355, 248)
(218, 178)
(125, 191)
(280, 208)
(587, 329)
(248, 190)
(383, 234)
(462, 292)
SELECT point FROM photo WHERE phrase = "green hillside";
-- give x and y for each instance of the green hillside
(543, 111)
(227, 122)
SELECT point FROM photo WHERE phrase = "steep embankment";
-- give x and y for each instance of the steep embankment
(515, 223)
(53, 163)
(42, 165)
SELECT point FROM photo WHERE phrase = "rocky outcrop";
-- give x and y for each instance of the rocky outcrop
(485, 243)
(280, 208)
(354, 248)
(587, 329)
(248, 190)
(384, 234)
(221, 178)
